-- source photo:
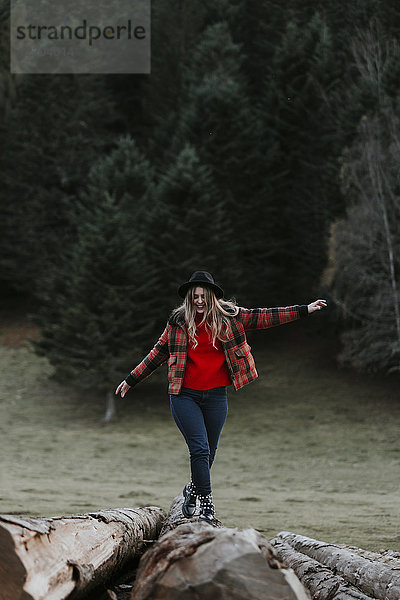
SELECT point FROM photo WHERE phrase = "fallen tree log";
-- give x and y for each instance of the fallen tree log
(49, 558)
(376, 578)
(320, 581)
(388, 557)
(198, 560)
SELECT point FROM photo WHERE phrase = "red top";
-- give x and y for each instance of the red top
(206, 366)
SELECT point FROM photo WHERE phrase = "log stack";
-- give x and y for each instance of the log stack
(340, 572)
(70, 557)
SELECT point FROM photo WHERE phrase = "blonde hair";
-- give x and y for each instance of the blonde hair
(215, 316)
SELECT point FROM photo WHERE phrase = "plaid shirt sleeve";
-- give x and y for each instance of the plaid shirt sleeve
(156, 357)
(262, 318)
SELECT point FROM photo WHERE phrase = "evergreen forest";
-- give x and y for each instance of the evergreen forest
(263, 147)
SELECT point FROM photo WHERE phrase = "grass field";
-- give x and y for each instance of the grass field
(307, 448)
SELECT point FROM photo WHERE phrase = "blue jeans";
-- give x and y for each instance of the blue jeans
(200, 416)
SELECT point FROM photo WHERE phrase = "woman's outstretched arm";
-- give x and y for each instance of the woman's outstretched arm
(156, 357)
(263, 318)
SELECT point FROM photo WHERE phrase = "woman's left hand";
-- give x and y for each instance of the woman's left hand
(317, 305)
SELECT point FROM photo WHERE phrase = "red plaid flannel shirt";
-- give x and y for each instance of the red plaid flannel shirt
(172, 346)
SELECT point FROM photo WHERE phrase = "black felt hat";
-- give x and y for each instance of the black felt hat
(201, 278)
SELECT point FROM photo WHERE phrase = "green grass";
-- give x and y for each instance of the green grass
(307, 448)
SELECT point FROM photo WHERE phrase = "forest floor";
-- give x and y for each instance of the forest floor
(307, 448)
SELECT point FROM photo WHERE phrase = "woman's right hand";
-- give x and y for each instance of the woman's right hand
(123, 388)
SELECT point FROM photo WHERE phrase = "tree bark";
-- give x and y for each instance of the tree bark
(319, 580)
(376, 578)
(198, 560)
(49, 558)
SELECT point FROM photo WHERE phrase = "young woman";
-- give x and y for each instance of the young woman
(205, 345)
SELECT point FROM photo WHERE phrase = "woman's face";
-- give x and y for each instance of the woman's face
(199, 300)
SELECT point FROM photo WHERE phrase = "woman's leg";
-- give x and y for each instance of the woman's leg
(186, 409)
(215, 411)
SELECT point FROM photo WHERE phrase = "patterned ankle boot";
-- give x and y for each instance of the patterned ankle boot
(189, 500)
(207, 510)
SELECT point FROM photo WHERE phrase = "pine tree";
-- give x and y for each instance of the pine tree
(190, 228)
(98, 305)
(127, 175)
(216, 118)
(300, 112)
(91, 318)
